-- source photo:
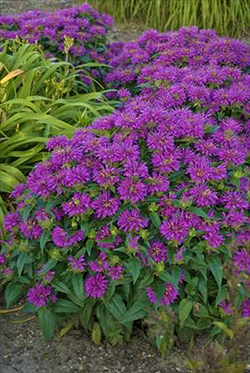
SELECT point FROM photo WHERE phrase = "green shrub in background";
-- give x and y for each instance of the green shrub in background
(227, 17)
(38, 99)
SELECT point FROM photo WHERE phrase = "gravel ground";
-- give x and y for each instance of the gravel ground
(23, 350)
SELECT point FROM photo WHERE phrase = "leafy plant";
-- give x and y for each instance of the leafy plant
(39, 98)
(142, 217)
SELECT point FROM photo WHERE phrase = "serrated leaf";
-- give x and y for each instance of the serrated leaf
(96, 334)
(215, 265)
(185, 308)
(47, 321)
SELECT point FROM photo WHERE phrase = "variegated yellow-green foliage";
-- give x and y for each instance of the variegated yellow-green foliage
(227, 17)
(38, 99)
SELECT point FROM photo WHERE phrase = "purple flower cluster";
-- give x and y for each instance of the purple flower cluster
(84, 25)
(164, 174)
(41, 295)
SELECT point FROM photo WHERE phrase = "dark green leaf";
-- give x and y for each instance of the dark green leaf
(66, 306)
(154, 217)
(44, 238)
(199, 212)
(135, 312)
(215, 265)
(185, 308)
(49, 265)
(77, 282)
(12, 293)
(22, 259)
(134, 267)
(116, 306)
(47, 322)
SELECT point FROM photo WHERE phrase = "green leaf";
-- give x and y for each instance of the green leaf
(116, 306)
(135, 312)
(89, 245)
(191, 287)
(225, 329)
(60, 286)
(154, 217)
(66, 329)
(44, 238)
(202, 286)
(96, 334)
(66, 306)
(185, 308)
(77, 282)
(22, 259)
(134, 267)
(215, 265)
(199, 212)
(176, 272)
(49, 265)
(222, 295)
(12, 293)
(47, 321)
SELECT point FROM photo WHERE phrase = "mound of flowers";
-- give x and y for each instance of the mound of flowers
(144, 215)
(79, 30)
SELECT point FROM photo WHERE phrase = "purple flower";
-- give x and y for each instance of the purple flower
(157, 251)
(60, 239)
(96, 285)
(2, 259)
(227, 307)
(8, 271)
(41, 295)
(105, 205)
(157, 183)
(18, 190)
(105, 240)
(11, 221)
(169, 296)
(134, 190)
(115, 272)
(106, 175)
(241, 261)
(245, 307)
(100, 265)
(176, 228)
(234, 200)
(199, 170)
(77, 264)
(79, 204)
(203, 196)
(31, 229)
(131, 220)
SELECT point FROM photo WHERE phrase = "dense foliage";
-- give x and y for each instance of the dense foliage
(228, 17)
(39, 98)
(82, 27)
(144, 214)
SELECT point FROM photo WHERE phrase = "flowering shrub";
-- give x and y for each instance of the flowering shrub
(81, 30)
(143, 215)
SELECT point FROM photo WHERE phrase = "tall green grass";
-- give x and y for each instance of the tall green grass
(227, 17)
